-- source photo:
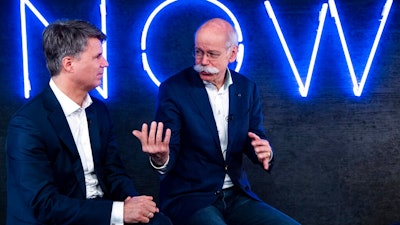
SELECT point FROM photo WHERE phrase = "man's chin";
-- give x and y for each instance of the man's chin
(209, 78)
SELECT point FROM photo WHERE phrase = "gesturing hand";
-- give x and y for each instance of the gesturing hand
(262, 149)
(152, 142)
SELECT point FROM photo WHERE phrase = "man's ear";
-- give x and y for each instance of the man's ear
(233, 53)
(67, 63)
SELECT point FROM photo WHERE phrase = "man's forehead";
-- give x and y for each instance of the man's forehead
(210, 41)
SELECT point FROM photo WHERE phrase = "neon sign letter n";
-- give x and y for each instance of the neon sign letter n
(103, 90)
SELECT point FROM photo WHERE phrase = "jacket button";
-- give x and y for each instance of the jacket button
(217, 192)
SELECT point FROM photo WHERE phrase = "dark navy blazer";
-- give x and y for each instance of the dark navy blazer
(196, 171)
(45, 180)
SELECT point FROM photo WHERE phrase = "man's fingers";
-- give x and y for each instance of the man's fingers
(137, 134)
(141, 135)
(151, 137)
(253, 136)
(145, 130)
(152, 133)
(160, 128)
(167, 136)
(266, 164)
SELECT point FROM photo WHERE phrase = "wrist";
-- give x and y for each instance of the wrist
(158, 163)
(158, 160)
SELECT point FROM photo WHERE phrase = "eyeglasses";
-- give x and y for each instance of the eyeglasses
(198, 53)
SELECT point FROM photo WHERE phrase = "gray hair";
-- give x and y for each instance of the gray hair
(67, 38)
(232, 36)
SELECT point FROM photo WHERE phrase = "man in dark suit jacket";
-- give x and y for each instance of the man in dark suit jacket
(214, 115)
(62, 159)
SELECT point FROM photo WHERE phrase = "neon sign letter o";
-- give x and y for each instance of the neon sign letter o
(149, 20)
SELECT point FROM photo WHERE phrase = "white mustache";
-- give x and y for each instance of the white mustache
(207, 69)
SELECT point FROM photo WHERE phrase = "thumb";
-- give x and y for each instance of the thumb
(137, 133)
(253, 136)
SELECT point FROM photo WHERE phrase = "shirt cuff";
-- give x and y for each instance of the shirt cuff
(117, 213)
(161, 169)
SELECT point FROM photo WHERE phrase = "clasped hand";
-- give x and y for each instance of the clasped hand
(139, 209)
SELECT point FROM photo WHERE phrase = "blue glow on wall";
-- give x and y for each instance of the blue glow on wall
(357, 86)
(160, 7)
(102, 89)
(303, 88)
(303, 82)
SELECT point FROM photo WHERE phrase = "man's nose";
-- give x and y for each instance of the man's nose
(205, 59)
(104, 63)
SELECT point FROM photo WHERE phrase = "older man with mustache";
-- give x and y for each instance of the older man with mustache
(214, 118)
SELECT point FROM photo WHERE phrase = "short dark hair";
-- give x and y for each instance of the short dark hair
(67, 38)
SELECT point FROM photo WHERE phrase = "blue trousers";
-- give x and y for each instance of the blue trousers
(235, 208)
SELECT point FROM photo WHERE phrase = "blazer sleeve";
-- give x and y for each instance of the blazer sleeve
(31, 182)
(167, 111)
(255, 120)
(45, 182)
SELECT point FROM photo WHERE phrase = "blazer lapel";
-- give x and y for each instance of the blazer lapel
(235, 96)
(61, 127)
(235, 108)
(94, 132)
(200, 99)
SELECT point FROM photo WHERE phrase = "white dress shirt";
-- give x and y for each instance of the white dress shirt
(78, 124)
(219, 101)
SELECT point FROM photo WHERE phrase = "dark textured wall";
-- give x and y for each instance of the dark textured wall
(336, 154)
